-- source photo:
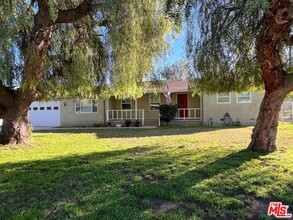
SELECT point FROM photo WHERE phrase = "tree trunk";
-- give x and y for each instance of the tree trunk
(16, 127)
(263, 138)
(14, 104)
(277, 81)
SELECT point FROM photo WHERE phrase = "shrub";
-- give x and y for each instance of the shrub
(127, 123)
(101, 124)
(168, 112)
(137, 123)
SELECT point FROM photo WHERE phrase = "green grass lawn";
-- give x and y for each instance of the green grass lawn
(167, 173)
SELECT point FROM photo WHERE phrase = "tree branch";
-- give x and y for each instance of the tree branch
(42, 4)
(6, 94)
(71, 15)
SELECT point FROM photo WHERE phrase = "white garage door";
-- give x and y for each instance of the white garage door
(45, 114)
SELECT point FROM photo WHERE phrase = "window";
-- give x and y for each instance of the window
(35, 108)
(224, 98)
(126, 103)
(244, 97)
(55, 108)
(86, 106)
(49, 108)
(42, 108)
(154, 101)
(29, 108)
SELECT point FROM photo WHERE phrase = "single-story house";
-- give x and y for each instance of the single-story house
(192, 110)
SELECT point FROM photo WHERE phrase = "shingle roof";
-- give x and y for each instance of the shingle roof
(177, 85)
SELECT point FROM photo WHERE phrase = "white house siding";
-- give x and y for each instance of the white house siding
(246, 113)
(69, 118)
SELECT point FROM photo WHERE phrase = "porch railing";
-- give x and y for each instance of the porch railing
(188, 113)
(126, 114)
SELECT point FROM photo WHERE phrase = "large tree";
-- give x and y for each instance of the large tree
(177, 70)
(73, 48)
(238, 45)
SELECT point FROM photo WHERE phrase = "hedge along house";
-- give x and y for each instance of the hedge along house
(192, 110)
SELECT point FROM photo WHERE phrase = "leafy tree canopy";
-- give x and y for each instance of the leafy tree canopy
(117, 44)
(222, 41)
(178, 70)
(238, 45)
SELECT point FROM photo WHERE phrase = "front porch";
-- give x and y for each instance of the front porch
(188, 114)
(142, 109)
(183, 114)
(125, 114)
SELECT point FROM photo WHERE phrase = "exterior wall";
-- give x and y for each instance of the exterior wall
(194, 102)
(69, 118)
(116, 104)
(246, 113)
(151, 116)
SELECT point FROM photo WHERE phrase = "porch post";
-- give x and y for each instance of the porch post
(107, 110)
(159, 119)
(135, 109)
(142, 121)
(184, 110)
(292, 108)
(200, 108)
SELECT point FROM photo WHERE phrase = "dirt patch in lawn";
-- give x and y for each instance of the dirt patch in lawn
(164, 206)
(156, 179)
(257, 208)
(141, 151)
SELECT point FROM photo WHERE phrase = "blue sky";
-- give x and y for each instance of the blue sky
(176, 51)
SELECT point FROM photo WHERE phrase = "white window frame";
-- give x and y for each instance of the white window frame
(92, 107)
(241, 102)
(229, 102)
(159, 95)
(126, 103)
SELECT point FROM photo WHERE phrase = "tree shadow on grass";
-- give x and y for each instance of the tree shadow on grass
(137, 133)
(121, 184)
(155, 132)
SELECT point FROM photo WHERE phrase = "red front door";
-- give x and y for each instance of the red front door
(183, 105)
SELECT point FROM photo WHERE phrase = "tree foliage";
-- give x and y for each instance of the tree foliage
(108, 42)
(239, 45)
(177, 70)
(222, 40)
